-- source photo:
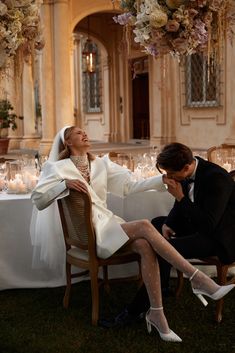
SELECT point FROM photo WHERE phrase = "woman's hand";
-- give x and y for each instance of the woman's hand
(76, 184)
(174, 188)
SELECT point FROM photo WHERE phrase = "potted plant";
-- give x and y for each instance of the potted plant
(7, 120)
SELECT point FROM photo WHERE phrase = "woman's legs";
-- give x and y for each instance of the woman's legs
(144, 229)
(151, 277)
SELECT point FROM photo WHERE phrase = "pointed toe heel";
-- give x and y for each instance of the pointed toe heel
(168, 337)
(220, 293)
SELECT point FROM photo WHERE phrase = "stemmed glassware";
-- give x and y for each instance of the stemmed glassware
(3, 174)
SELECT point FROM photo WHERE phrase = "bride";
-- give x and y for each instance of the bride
(72, 167)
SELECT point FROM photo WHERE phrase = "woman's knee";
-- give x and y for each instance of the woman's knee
(145, 224)
(141, 246)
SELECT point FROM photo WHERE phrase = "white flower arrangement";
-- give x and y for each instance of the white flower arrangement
(19, 27)
(179, 27)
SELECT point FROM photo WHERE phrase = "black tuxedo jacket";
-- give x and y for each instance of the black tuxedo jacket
(212, 214)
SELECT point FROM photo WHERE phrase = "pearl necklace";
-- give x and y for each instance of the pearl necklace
(83, 165)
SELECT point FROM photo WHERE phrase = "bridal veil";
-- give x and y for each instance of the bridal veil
(46, 229)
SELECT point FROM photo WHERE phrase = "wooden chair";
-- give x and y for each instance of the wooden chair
(3, 160)
(113, 155)
(221, 154)
(76, 217)
(122, 159)
(222, 273)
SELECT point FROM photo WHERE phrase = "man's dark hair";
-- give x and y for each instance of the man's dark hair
(174, 157)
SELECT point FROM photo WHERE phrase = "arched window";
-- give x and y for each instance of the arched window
(91, 77)
(202, 82)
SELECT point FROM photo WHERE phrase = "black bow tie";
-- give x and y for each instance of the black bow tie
(189, 181)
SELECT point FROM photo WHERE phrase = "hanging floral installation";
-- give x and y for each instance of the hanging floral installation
(20, 29)
(179, 27)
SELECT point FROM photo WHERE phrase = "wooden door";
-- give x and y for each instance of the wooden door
(140, 89)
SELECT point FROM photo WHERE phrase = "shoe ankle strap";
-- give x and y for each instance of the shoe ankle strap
(159, 308)
(194, 273)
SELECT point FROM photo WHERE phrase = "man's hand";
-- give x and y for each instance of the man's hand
(174, 188)
(76, 184)
(167, 232)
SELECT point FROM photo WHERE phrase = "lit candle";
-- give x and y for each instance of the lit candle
(12, 186)
(18, 177)
(21, 187)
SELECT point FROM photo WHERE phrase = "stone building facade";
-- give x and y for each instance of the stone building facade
(56, 83)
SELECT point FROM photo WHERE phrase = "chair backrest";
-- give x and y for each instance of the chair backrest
(224, 155)
(122, 159)
(113, 155)
(76, 217)
(232, 173)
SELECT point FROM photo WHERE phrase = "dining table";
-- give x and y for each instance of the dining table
(16, 250)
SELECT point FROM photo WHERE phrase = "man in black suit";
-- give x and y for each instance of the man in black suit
(201, 222)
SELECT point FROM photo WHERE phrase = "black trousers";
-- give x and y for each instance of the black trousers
(189, 246)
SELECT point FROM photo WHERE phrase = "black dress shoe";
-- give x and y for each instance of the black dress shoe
(124, 318)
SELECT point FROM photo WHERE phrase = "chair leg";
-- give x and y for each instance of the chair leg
(222, 276)
(106, 279)
(68, 286)
(180, 283)
(94, 295)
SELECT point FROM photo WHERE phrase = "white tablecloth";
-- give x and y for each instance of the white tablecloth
(15, 244)
(148, 204)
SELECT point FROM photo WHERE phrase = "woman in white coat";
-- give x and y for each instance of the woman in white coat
(71, 166)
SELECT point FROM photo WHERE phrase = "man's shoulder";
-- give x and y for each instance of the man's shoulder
(208, 169)
(210, 166)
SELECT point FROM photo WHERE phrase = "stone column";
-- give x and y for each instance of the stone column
(62, 79)
(230, 88)
(162, 94)
(12, 91)
(114, 90)
(76, 81)
(47, 79)
(30, 138)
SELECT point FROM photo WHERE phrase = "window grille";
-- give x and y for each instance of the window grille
(91, 84)
(202, 82)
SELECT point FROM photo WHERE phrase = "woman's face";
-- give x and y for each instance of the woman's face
(78, 139)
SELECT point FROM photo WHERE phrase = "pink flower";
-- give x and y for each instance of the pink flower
(201, 3)
(192, 12)
(215, 5)
(157, 34)
(172, 26)
(180, 45)
(123, 18)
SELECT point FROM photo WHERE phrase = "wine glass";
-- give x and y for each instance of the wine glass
(3, 174)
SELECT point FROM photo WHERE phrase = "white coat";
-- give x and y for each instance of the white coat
(105, 176)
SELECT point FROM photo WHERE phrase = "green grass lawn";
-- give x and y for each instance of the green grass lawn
(34, 321)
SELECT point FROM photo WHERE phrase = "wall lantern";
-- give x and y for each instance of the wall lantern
(89, 53)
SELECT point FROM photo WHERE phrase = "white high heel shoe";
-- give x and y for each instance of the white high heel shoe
(220, 293)
(169, 337)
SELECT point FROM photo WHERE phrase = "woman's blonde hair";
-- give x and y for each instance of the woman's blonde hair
(64, 151)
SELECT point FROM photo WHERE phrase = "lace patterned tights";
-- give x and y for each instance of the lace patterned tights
(147, 241)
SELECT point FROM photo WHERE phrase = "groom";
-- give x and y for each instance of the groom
(200, 224)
